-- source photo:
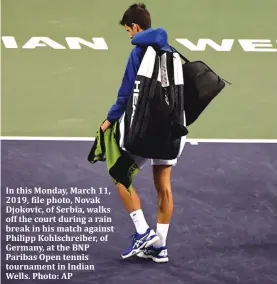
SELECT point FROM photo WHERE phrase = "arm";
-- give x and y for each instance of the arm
(117, 110)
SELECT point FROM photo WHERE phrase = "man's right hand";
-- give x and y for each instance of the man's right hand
(106, 124)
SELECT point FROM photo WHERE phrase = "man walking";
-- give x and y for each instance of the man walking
(146, 243)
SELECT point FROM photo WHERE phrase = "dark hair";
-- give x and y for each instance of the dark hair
(137, 14)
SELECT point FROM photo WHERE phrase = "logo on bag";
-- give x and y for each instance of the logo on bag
(166, 97)
(135, 100)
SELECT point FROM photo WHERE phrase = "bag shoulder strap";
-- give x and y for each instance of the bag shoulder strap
(181, 55)
(187, 61)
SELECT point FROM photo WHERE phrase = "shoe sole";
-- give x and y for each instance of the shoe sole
(145, 245)
(160, 260)
(155, 259)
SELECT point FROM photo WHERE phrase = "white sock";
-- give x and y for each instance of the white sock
(162, 230)
(139, 221)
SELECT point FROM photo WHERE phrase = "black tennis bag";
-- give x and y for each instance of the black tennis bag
(154, 118)
(201, 86)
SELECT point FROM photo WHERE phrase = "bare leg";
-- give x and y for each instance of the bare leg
(162, 176)
(162, 180)
(130, 202)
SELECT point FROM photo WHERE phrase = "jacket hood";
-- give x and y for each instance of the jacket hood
(153, 37)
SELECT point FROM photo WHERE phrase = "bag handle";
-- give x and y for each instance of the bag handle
(181, 55)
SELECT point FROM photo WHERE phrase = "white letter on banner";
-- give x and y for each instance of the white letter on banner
(226, 44)
(75, 43)
(42, 42)
(257, 45)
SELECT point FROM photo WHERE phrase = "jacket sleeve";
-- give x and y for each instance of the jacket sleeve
(134, 60)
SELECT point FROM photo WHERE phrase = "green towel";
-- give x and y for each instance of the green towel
(120, 165)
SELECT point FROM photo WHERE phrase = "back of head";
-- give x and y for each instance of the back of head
(137, 14)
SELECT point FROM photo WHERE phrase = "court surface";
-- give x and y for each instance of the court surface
(49, 88)
(224, 226)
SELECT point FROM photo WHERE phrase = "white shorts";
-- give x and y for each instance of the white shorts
(154, 162)
(142, 161)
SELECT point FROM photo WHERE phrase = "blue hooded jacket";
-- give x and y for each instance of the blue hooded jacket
(153, 37)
